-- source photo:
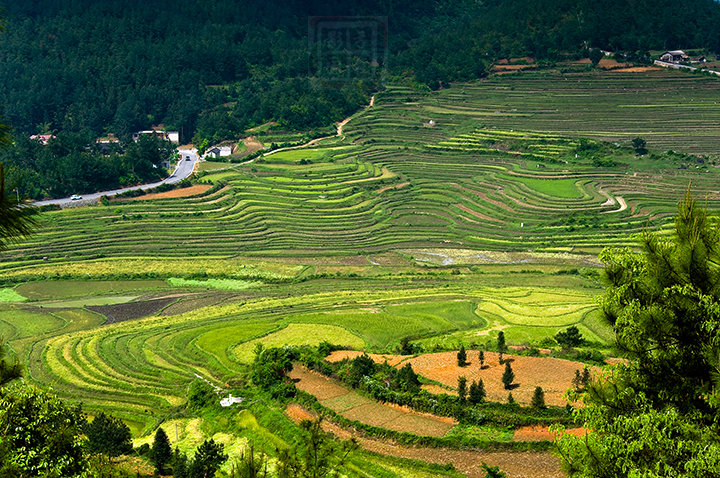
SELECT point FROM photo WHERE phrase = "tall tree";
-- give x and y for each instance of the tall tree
(508, 376)
(161, 453)
(662, 406)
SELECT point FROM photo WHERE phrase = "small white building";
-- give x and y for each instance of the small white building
(230, 400)
(172, 136)
(218, 152)
(674, 56)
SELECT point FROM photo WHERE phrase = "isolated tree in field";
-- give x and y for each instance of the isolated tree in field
(461, 356)
(664, 304)
(595, 55)
(508, 376)
(510, 399)
(538, 398)
(462, 389)
(108, 436)
(477, 392)
(481, 358)
(501, 346)
(160, 453)
(569, 338)
(640, 146)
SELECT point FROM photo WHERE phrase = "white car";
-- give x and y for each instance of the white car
(75, 197)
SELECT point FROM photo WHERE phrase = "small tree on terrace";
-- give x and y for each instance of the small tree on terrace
(538, 398)
(481, 358)
(640, 146)
(477, 392)
(569, 338)
(462, 389)
(462, 356)
(508, 376)
(501, 346)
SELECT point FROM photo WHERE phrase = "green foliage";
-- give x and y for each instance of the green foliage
(41, 435)
(406, 380)
(538, 399)
(108, 435)
(508, 376)
(663, 404)
(8, 370)
(595, 55)
(317, 455)
(640, 146)
(477, 392)
(462, 389)
(360, 367)
(492, 471)
(269, 369)
(16, 220)
(200, 395)
(481, 359)
(569, 338)
(462, 356)
(208, 458)
(501, 346)
(161, 453)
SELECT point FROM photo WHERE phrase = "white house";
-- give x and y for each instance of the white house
(218, 152)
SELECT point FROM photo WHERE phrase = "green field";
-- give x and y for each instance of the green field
(487, 219)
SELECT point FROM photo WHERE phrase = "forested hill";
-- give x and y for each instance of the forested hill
(211, 68)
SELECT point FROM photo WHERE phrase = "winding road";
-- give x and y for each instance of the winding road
(184, 168)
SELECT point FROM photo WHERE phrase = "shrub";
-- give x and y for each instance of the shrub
(508, 376)
(538, 399)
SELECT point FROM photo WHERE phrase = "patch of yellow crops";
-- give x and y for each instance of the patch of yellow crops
(166, 267)
(300, 334)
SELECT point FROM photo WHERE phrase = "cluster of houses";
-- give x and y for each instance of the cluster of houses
(679, 56)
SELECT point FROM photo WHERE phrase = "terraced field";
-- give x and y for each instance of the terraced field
(139, 369)
(497, 165)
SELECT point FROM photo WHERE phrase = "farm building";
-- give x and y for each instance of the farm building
(172, 136)
(218, 152)
(674, 56)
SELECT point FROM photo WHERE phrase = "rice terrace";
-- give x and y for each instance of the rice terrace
(463, 220)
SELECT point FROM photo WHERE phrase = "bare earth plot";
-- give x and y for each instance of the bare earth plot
(354, 406)
(552, 374)
(469, 462)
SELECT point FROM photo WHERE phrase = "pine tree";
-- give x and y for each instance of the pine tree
(461, 356)
(462, 389)
(477, 392)
(161, 452)
(510, 399)
(508, 376)
(538, 398)
(108, 435)
(481, 357)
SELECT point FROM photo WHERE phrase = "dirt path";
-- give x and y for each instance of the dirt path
(621, 202)
(469, 462)
(317, 140)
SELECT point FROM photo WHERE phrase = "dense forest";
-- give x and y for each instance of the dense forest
(212, 68)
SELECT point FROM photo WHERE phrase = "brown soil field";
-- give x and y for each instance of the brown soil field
(469, 462)
(396, 186)
(252, 145)
(552, 374)
(354, 406)
(541, 432)
(131, 310)
(636, 69)
(176, 193)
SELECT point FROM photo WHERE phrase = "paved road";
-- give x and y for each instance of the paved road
(183, 169)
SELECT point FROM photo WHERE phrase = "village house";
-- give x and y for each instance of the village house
(172, 136)
(218, 152)
(43, 138)
(674, 56)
